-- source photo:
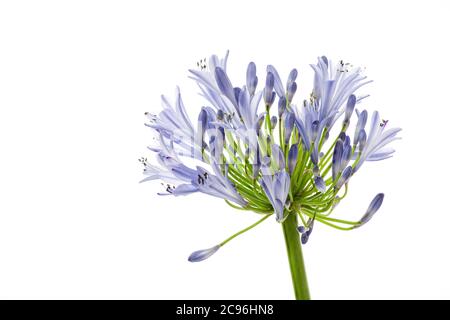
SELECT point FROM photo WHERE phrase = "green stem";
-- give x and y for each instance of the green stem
(294, 251)
(244, 230)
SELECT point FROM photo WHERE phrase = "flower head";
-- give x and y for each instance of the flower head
(283, 162)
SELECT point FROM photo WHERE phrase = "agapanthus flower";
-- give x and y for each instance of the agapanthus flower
(293, 161)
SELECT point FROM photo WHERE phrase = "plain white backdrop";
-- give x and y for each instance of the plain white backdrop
(75, 80)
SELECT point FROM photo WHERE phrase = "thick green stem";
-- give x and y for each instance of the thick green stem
(294, 251)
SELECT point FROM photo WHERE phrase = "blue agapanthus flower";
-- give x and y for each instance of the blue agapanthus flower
(259, 151)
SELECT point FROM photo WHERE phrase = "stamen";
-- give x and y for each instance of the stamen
(151, 116)
(344, 66)
(201, 180)
(201, 64)
(143, 161)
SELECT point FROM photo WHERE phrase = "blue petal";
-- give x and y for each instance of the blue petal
(374, 127)
(259, 122)
(314, 130)
(244, 107)
(202, 79)
(278, 84)
(255, 172)
(224, 84)
(381, 155)
(150, 178)
(237, 92)
(167, 161)
(184, 189)
(265, 161)
(279, 210)
(315, 155)
(301, 129)
(326, 109)
(271, 99)
(184, 173)
(346, 155)
(347, 141)
(201, 128)
(278, 156)
(285, 181)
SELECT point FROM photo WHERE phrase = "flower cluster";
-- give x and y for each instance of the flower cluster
(259, 151)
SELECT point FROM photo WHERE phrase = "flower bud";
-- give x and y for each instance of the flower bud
(281, 106)
(291, 89)
(362, 119)
(292, 158)
(320, 184)
(349, 110)
(362, 137)
(252, 79)
(273, 121)
(345, 176)
(288, 126)
(292, 77)
(337, 159)
(269, 94)
(373, 208)
(201, 255)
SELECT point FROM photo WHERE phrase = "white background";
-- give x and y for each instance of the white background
(75, 80)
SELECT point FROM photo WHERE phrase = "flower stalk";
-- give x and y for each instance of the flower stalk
(295, 256)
